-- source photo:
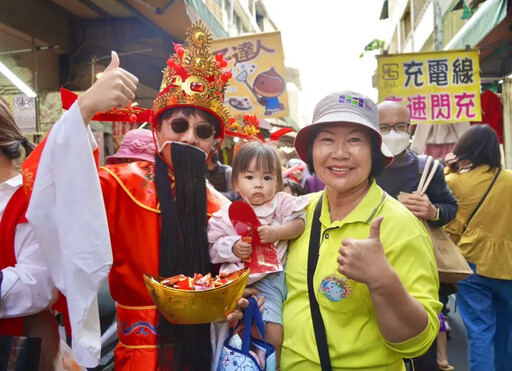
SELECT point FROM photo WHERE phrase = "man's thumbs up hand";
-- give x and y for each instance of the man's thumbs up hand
(364, 260)
(114, 62)
(115, 88)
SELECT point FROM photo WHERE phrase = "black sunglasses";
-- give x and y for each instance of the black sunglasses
(203, 131)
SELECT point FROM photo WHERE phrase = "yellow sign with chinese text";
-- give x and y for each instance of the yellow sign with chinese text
(258, 85)
(437, 87)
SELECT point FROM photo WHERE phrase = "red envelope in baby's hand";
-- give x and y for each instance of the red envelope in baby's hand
(243, 218)
(264, 255)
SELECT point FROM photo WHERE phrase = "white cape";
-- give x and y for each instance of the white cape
(68, 217)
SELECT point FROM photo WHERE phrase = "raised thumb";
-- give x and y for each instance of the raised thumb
(114, 62)
(375, 229)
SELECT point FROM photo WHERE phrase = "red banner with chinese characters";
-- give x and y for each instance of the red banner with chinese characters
(437, 87)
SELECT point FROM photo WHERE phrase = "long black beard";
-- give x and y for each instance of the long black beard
(183, 249)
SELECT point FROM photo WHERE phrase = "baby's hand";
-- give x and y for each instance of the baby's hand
(242, 250)
(268, 234)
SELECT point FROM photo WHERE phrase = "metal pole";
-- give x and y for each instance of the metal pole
(507, 120)
(413, 19)
(93, 62)
(231, 13)
(438, 16)
(34, 49)
(36, 76)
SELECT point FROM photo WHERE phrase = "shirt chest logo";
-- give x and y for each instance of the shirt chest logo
(335, 288)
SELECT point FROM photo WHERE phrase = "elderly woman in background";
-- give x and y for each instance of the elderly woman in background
(367, 259)
(137, 145)
(484, 235)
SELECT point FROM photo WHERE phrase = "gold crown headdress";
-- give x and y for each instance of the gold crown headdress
(194, 78)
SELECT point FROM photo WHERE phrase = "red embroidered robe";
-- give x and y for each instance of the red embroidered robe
(133, 214)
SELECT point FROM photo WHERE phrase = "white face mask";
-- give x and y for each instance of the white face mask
(396, 142)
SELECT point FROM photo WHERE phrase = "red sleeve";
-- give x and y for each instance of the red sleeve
(31, 163)
(29, 168)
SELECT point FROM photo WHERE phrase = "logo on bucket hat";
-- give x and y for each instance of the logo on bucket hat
(358, 101)
(347, 106)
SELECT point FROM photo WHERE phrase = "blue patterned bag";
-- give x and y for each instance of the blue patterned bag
(251, 354)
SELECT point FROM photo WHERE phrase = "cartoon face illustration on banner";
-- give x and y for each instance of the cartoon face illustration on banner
(258, 85)
(268, 86)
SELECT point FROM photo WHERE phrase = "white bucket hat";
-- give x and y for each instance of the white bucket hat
(342, 107)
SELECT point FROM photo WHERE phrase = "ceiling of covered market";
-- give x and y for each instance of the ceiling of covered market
(154, 11)
(83, 33)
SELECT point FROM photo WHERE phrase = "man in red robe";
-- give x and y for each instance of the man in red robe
(141, 217)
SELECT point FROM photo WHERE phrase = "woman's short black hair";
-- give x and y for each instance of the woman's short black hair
(479, 145)
(189, 111)
(378, 159)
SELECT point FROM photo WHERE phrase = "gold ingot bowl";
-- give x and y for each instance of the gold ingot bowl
(189, 307)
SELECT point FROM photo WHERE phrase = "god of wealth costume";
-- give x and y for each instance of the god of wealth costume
(150, 230)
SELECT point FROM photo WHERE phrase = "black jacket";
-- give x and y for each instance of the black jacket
(406, 179)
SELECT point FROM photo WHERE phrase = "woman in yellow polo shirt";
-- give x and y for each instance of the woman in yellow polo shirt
(362, 279)
(484, 236)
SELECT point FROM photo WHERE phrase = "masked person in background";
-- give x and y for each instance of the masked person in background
(438, 206)
(140, 216)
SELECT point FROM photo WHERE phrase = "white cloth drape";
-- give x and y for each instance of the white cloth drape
(67, 214)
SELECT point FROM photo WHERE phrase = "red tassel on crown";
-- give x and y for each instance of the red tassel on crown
(250, 129)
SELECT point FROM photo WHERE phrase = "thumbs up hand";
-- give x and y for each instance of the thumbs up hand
(364, 260)
(115, 88)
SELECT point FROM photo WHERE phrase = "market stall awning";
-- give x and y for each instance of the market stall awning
(496, 51)
(488, 16)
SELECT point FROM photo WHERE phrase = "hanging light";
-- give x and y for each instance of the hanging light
(16, 81)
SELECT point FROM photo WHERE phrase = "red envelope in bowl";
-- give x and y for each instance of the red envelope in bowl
(264, 255)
